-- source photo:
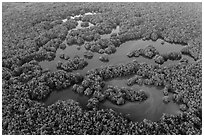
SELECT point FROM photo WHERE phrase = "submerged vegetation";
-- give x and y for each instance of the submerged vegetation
(81, 41)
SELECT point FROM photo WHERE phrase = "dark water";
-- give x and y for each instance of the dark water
(64, 95)
(118, 57)
(151, 109)
(71, 51)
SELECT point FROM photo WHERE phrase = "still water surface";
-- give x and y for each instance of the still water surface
(116, 58)
(151, 109)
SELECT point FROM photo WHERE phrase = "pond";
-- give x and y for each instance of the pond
(64, 95)
(151, 109)
(119, 57)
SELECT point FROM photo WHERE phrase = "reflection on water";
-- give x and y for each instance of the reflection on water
(80, 15)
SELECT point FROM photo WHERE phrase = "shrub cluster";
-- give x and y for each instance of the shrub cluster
(104, 58)
(119, 95)
(72, 64)
(152, 53)
(88, 54)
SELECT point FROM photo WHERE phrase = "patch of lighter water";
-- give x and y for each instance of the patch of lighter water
(64, 20)
(90, 13)
(72, 17)
(80, 15)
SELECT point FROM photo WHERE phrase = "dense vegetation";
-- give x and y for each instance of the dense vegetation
(32, 32)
